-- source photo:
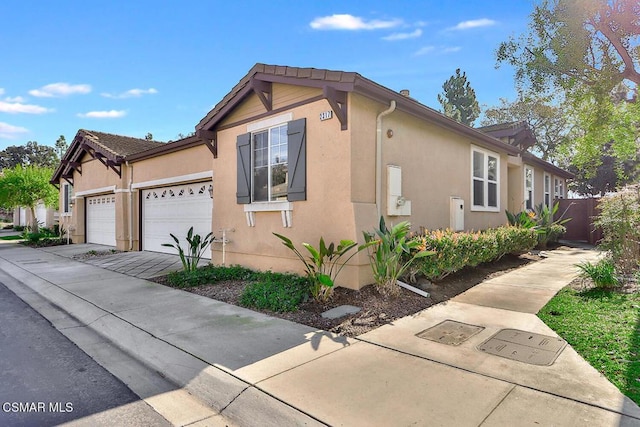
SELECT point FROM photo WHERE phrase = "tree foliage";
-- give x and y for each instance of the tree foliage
(61, 146)
(588, 51)
(30, 154)
(27, 186)
(545, 119)
(459, 99)
(578, 44)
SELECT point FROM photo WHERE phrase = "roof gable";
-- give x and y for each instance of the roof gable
(335, 86)
(108, 148)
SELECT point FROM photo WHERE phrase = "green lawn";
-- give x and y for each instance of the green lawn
(604, 328)
(15, 237)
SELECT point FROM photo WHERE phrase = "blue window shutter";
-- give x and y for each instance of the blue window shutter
(297, 158)
(243, 190)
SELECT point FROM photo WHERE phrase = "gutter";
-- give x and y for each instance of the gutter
(130, 215)
(391, 109)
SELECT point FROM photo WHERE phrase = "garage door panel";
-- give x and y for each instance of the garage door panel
(173, 210)
(101, 220)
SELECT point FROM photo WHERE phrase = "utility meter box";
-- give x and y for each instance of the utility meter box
(456, 213)
(397, 205)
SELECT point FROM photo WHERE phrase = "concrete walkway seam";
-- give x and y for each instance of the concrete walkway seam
(203, 385)
(495, 377)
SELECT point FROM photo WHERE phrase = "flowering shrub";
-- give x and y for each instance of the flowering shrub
(620, 221)
(456, 250)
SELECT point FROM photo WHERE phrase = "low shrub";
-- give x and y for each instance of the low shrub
(620, 221)
(276, 292)
(392, 253)
(18, 227)
(602, 273)
(209, 274)
(456, 250)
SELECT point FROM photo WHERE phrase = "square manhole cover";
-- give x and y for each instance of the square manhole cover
(450, 332)
(523, 346)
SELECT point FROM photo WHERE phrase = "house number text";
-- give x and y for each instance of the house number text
(326, 115)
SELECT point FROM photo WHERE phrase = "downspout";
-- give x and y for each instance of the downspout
(130, 216)
(391, 109)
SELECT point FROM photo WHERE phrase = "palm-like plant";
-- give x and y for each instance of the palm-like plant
(197, 246)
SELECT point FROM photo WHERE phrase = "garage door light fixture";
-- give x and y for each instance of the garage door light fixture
(211, 191)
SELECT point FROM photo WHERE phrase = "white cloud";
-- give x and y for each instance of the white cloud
(17, 108)
(350, 22)
(403, 36)
(8, 131)
(451, 49)
(131, 93)
(474, 23)
(111, 114)
(15, 99)
(425, 50)
(437, 50)
(55, 90)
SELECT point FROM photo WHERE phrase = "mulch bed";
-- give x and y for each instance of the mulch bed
(376, 310)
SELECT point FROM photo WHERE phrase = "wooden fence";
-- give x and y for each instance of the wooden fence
(581, 227)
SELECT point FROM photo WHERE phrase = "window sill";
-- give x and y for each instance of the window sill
(285, 209)
(483, 209)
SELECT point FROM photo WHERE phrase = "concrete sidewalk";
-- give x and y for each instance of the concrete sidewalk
(258, 370)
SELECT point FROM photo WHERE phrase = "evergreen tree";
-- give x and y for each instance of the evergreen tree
(459, 99)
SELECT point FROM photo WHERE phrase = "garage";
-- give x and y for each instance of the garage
(101, 219)
(173, 210)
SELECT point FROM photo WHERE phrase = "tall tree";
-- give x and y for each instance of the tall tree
(589, 50)
(27, 186)
(578, 44)
(545, 118)
(30, 154)
(149, 136)
(61, 146)
(459, 99)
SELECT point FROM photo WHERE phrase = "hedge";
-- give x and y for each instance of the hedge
(456, 250)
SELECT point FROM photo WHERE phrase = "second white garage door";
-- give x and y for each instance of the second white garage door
(174, 210)
(101, 220)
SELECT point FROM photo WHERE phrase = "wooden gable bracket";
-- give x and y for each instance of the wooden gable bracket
(115, 166)
(210, 139)
(338, 101)
(73, 165)
(69, 179)
(264, 91)
(57, 186)
(77, 166)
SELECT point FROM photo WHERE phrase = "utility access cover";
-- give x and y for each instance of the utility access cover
(450, 332)
(523, 346)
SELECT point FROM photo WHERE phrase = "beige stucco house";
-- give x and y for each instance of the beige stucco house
(302, 152)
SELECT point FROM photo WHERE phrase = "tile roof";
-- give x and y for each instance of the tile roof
(283, 71)
(119, 145)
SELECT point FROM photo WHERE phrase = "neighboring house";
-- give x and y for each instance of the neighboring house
(531, 180)
(47, 217)
(304, 152)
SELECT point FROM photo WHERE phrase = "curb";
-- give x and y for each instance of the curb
(235, 399)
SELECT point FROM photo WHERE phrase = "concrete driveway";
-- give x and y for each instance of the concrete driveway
(140, 264)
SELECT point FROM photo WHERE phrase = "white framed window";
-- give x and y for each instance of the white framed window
(547, 190)
(485, 180)
(67, 194)
(269, 164)
(528, 187)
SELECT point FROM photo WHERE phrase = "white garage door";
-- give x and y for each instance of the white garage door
(174, 210)
(101, 220)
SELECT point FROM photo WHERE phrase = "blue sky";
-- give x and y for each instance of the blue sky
(132, 67)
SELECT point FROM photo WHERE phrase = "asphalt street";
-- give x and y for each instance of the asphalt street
(45, 379)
